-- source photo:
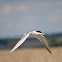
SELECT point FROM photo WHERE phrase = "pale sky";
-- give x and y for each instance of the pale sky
(17, 17)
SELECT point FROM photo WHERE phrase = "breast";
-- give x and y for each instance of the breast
(30, 34)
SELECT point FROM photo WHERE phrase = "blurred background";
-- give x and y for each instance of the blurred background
(21, 16)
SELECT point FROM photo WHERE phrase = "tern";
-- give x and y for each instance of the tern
(37, 34)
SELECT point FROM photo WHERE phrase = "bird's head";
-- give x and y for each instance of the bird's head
(40, 32)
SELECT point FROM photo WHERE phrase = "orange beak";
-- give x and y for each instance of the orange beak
(42, 33)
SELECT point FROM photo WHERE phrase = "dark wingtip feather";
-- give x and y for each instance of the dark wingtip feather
(49, 50)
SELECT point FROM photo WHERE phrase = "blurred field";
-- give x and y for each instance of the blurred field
(32, 55)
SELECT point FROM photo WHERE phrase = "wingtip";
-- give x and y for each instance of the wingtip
(10, 51)
(50, 53)
(49, 50)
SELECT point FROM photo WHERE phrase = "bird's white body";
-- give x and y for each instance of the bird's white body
(33, 33)
(36, 34)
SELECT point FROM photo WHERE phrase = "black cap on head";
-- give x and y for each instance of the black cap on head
(39, 31)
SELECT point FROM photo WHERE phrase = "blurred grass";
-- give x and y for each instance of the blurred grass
(32, 55)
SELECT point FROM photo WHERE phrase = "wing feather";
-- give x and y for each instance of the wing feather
(20, 42)
(44, 41)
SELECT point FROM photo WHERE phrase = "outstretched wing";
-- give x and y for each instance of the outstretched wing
(44, 41)
(20, 42)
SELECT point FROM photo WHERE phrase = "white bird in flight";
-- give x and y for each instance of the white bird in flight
(37, 34)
